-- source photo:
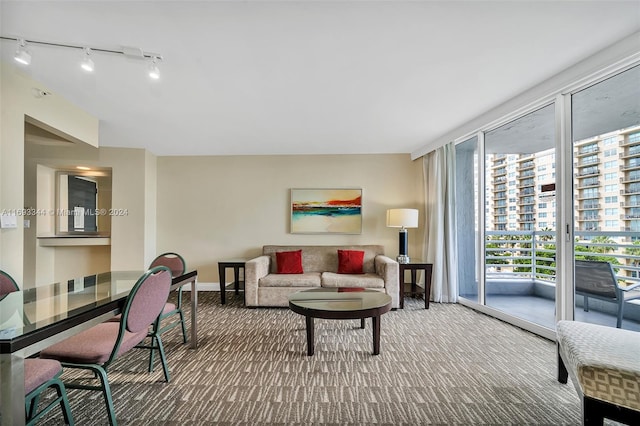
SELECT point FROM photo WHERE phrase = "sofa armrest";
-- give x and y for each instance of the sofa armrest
(254, 269)
(389, 270)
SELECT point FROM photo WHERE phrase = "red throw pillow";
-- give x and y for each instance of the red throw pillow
(289, 262)
(350, 261)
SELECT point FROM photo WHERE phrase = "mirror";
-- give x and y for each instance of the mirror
(83, 202)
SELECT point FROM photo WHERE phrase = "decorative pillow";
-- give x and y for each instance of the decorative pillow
(350, 261)
(289, 262)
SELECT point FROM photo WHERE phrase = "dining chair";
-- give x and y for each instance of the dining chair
(97, 348)
(39, 375)
(597, 279)
(7, 284)
(177, 265)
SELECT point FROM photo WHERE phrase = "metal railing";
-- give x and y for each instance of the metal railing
(532, 254)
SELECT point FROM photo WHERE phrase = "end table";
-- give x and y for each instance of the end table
(412, 287)
(236, 264)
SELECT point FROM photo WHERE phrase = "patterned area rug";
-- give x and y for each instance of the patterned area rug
(446, 365)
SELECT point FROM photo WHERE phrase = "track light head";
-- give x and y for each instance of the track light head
(154, 71)
(22, 55)
(87, 62)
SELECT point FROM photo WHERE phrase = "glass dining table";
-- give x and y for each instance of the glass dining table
(33, 319)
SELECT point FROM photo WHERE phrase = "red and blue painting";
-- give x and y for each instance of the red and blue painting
(322, 211)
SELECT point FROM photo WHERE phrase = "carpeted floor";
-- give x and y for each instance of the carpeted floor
(446, 365)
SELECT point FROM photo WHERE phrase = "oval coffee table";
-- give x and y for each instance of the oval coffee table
(341, 303)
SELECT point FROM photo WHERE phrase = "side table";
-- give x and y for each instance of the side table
(412, 287)
(236, 264)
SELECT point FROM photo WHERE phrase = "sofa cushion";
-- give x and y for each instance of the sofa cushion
(308, 279)
(324, 258)
(332, 279)
(289, 262)
(350, 261)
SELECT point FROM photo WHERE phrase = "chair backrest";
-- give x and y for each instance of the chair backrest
(7, 284)
(143, 305)
(173, 261)
(147, 299)
(596, 278)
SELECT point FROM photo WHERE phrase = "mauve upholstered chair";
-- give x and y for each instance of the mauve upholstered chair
(96, 348)
(7, 284)
(177, 265)
(40, 375)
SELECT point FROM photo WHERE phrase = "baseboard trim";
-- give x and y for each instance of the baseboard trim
(203, 287)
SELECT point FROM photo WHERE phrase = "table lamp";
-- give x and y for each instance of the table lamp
(403, 219)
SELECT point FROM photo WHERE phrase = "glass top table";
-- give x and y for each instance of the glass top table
(341, 303)
(33, 319)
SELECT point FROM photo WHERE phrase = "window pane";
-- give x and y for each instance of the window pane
(467, 216)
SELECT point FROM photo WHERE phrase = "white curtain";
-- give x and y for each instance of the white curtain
(440, 236)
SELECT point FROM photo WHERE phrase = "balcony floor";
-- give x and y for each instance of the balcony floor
(541, 311)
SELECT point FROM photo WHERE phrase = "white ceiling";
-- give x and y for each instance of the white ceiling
(304, 77)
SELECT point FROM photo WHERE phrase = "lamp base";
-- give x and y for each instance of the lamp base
(403, 258)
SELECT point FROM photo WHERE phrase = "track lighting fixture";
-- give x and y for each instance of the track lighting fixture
(154, 71)
(22, 54)
(87, 62)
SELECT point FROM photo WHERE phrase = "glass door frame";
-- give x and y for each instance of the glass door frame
(565, 221)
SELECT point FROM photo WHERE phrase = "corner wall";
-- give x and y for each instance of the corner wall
(17, 101)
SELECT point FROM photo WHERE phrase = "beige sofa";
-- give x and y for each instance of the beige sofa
(265, 287)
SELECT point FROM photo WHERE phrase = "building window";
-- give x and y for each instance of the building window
(613, 199)
(610, 176)
(610, 188)
(543, 214)
(542, 205)
(609, 141)
(610, 212)
(610, 152)
(610, 164)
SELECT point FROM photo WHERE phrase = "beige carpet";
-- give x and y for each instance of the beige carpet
(446, 365)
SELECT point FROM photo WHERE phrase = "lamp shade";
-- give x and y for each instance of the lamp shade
(402, 218)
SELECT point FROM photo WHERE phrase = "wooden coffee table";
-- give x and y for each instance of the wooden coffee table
(340, 303)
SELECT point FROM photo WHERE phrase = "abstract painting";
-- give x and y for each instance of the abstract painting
(326, 211)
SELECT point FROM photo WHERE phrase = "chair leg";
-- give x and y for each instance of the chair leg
(32, 402)
(184, 329)
(163, 358)
(31, 406)
(563, 374)
(106, 391)
(151, 354)
(64, 403)
(620, 312)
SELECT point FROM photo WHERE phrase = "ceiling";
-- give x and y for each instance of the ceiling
(304, 77)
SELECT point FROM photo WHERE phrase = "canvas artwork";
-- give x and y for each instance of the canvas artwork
(326, 211)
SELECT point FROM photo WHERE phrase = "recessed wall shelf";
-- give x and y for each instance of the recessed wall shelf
(73, 240)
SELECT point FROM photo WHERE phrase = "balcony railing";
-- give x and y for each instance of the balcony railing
(532, 254)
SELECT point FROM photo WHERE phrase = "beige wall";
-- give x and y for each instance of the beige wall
(133, 182)
(219, 207)
(18, 100)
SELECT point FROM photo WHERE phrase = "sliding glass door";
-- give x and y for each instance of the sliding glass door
(606, 148)
(521, 249)
(519, 224)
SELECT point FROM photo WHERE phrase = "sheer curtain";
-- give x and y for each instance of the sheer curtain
(440, 236)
